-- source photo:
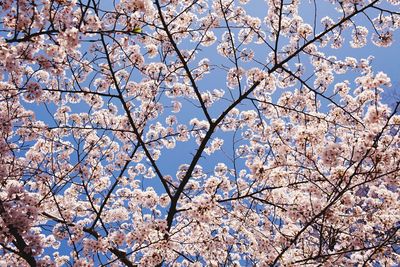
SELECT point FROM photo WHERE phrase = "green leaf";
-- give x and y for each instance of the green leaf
(137, 30)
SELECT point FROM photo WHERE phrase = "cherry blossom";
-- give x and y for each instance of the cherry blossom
(198, 133)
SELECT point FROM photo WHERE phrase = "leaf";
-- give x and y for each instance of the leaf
(137, 30)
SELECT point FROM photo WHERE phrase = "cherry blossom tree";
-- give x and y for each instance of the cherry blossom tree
(197, 133)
